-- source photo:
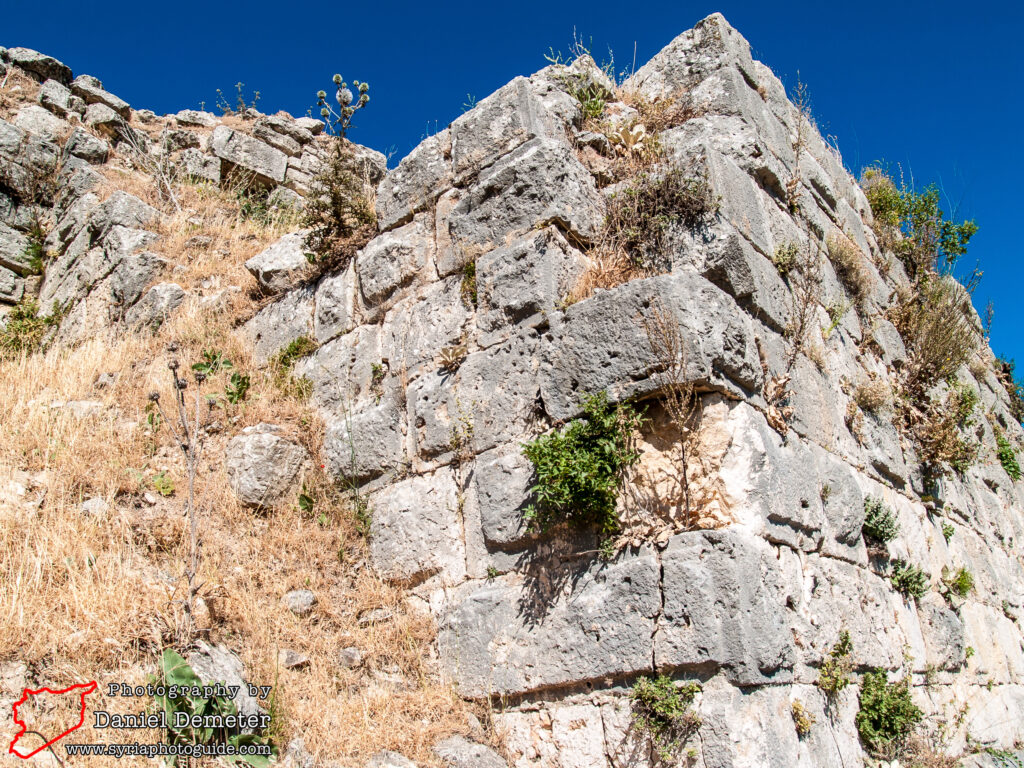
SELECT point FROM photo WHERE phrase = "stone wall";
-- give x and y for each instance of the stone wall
(430, 385)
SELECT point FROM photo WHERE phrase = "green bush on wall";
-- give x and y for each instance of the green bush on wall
(579, 468)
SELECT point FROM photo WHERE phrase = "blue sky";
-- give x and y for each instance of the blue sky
(935, 87)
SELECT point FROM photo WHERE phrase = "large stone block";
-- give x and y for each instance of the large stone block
(335, 305)
(539, 183)
(723, 605)
(524, 281)
(734, 266)
(416, 530)
(507, 118)
(417, 328)
(342, 370)
(91, 91)
(422, 176)
(503, 638)
(500, 488)
(280, 323)
(282, 265)
(490, 401)
(603, 343)
(268, 165)
(395, 258)
(366, 442)
(39, 65)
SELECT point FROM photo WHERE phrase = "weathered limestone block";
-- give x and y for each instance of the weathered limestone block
(539, 183)
(39, 65)
(194, 118)
(268, 165)
(335, 305)
(843, 503)
(282, 265)
(263, 466)
(105, 120)
(491, 401)
(417, 328)
(734, 266)
(12, 287)
(121, 209)
(156, 305)
(395, 258)
(603, 344)
(57, 99)
(723, 605)
(501, 484)
(943, 633)
(422, 176)
(366, 442)
(42, 123)
(199, 166)
(416, 531)
(25, 159)
(265, 133)
(280, 323)
(13, 250)
(507, 118)
(499, 638)
(86, 146)
(132, 274)
(524, 281)
(460, 752)
(342, 371)
(91, 91)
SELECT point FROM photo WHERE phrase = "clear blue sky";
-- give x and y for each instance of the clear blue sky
(937, 87)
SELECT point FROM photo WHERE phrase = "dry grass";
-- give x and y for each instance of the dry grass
(850, 266)
(874, 395)
(66, 575)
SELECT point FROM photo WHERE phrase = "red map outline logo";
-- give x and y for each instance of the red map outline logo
(87, 688)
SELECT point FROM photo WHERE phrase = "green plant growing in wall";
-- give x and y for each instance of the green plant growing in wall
(909, 579)
(662, 711)
(579, 469)
(887, 715)
(880, 523)
(947, 531)
(1007, 456)
(960, 582)
(834, 674)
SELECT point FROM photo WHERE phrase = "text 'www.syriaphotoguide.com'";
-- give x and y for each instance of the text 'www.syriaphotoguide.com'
(166, 750)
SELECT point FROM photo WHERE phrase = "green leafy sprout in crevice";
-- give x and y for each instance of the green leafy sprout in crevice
(887, 715)
(663, 711)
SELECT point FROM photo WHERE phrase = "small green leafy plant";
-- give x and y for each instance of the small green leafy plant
(468, 285)
(662, 711)
(802, 719)
(1007, 456)
(175, 673)
(295, 350)
(162, 484)
(579, 469)
(213, 362)
(785, 256)
(947, 531)
(909, 579)
(960, 583)
(887, 714)
(834, 674)
(237, 388)
(879, 522)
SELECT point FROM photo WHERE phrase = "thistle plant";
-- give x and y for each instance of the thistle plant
(186, 433)
(348, 103)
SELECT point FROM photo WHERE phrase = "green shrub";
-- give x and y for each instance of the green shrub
(175, 672)
(1007, 456)
(35, 251)
(879, 522)
(1005, 372)
(909, 579)
(237, 388)
(941, 436)
(887, 714)
(834, 674)
(339, 213)
(785, 257)
(579, 468)
(640, 216)
(960, 583)
(661, 710)
(467, 287)
(25, 331)
(802, 719)
(913, 225)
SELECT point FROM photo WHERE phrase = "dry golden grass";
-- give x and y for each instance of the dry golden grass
(874, 395)
(98, 597)
(850, 265)
(16, 90)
